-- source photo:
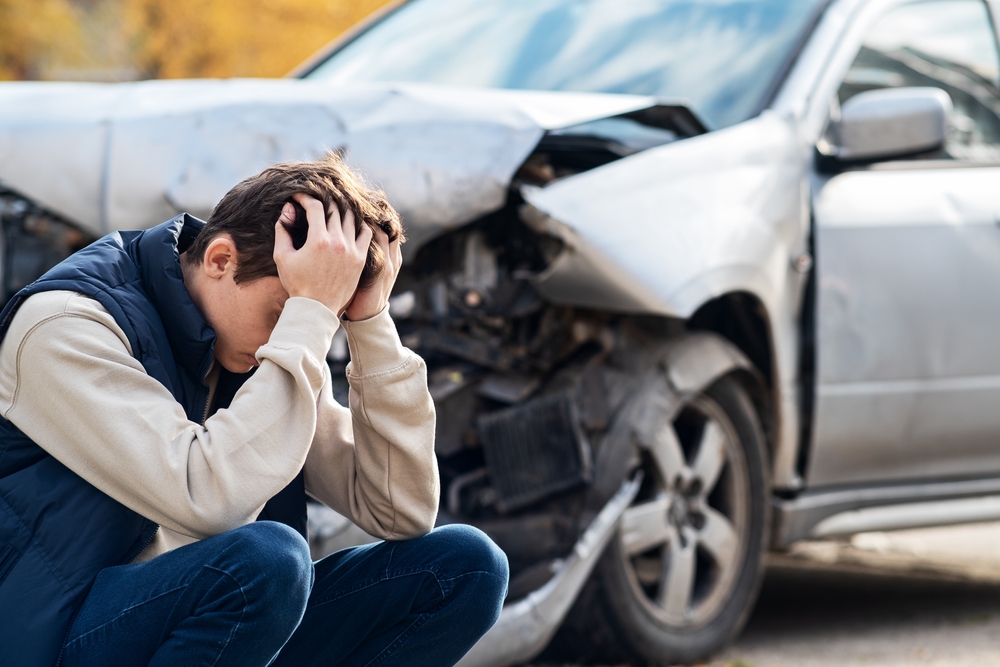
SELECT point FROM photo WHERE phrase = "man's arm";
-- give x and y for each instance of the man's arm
(69, 381)
(375, 462)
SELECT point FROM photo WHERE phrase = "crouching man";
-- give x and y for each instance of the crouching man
(166, 407)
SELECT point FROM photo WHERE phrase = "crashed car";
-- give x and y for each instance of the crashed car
(693, 280)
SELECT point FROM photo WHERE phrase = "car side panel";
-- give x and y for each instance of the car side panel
(908, 310)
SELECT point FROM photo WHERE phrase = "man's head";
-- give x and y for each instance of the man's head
(229, 269)
(247, 213)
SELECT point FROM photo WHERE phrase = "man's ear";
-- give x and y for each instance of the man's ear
(220, 257)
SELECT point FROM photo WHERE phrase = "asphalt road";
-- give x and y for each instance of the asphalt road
(914, 598)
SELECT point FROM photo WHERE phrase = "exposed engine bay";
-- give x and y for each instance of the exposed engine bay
(525, 391)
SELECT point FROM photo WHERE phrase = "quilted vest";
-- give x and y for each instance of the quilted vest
(57, 531)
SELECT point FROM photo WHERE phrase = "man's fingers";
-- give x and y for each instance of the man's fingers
(282, 239)
(382, 239)
(363, 240)
(327, 268)
(287, 215)
(348, 225)
(334, 216)
(315, 215)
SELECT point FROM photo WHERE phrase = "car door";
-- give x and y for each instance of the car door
(908, 269)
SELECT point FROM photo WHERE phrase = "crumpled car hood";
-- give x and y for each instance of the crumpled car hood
(122, 156)
(661, 231)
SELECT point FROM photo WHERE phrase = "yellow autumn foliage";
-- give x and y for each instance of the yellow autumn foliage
(223, 38)
(34, 33)
(168, 38)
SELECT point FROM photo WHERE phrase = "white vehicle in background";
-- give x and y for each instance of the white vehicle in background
(694, 279)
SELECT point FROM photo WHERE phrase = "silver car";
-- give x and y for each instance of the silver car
(694, 279)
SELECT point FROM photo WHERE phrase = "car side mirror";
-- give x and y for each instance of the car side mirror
(886, 124)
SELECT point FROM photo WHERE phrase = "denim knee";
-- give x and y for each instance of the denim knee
(482, 567)
(274, 563)
(474, 551)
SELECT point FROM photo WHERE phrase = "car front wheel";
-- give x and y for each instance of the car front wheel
(680, 580)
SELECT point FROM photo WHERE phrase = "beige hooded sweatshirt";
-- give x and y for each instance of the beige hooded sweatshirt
(69, 382)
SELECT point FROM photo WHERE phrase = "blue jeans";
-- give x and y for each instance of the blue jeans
(252, 596)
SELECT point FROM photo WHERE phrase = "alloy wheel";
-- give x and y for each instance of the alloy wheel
(683, 539)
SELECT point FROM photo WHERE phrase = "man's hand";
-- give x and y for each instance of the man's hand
(327, 268)
(370, 302)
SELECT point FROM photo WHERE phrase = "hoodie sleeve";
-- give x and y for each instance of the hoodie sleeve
(374, 462)
(68, 380)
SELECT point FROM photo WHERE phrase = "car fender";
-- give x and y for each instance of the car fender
(675, 226)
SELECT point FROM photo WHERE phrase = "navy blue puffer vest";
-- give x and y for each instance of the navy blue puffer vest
(56, 530)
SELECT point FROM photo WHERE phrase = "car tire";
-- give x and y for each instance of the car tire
(680, 579)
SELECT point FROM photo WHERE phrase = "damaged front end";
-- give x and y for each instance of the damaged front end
(542, 409)
(526, 394)
(524, 388)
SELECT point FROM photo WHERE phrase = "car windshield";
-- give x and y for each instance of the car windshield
(721, 56)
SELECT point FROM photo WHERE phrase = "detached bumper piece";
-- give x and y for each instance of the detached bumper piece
(534, 450)
(526, 626)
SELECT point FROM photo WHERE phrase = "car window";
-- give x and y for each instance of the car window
(947, 44)
(723, 57)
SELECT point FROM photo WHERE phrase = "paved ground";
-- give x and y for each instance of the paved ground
(919, 597)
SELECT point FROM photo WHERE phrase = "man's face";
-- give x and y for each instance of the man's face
(243, 316)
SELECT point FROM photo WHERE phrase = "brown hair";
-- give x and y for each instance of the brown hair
(250, 210)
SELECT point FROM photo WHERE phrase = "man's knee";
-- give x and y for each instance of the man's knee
(474, 551)
(273, 561)
(480, 571)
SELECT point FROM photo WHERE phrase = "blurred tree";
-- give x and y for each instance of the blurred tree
(223, 38)
(36, 33)
(122, 39)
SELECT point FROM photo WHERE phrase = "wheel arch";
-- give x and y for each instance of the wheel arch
(740, 321)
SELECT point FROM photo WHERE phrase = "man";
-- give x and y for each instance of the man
(162, 390)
